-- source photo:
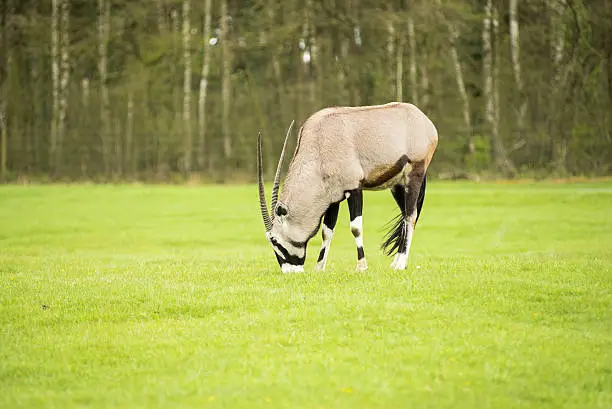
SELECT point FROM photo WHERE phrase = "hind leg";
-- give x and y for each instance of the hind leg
(329, 223)
(407, 199)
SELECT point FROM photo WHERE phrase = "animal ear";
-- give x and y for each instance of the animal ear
(281, 209)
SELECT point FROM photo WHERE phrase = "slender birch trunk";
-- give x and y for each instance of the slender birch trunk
(204, 87)
(55, 79)
(226, 91)
(558, 36)
(103, 37)
(277, 71)
(130, 157)
(424, 86)
(495, 57)
(342, 67)
(3, 136)
(65, 78)
(84, 153)
(559, 140)
(187, 129)
(161, 16)
(516, 68)
(391, 39)
(454, 36)
(5, 44)
(399, 68)
(490, 24)
(414, 87)
(311, 49)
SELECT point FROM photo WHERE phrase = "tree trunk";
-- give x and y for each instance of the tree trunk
(6, 11)
(84, 151)
(204, 87)
(3, 136)
(130, 147)
(555, 127)
(310, 54)
(55, 78)
(558, 35)
(424, 87)
(399, 68)
(516, 69)
(65, 77)
(161, 16)
(391, 39)
(342, 70)
(414, 87)
(103, 32)
(226, 91)
(490, 24)
(454, 36)
(187, 130)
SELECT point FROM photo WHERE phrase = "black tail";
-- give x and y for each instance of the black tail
(397, 226)
(395, 236)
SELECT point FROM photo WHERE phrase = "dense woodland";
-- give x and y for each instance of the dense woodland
(173, 89)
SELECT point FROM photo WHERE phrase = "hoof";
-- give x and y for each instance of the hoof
(362, 265)
(399, 262)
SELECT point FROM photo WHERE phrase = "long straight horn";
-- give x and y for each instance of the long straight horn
(262, 195)
(276, 185)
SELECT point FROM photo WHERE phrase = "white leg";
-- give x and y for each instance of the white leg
(401, 258)
(357, 230)
(327, 236)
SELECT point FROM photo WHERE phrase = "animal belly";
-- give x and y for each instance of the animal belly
(383, 177)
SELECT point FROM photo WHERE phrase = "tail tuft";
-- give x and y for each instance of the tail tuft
(395, 236)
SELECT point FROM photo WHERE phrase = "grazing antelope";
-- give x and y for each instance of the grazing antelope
(340, 152)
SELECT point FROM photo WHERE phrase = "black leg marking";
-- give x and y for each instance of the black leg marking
(355, 203)
(360, 253)
(321, 254)
(331, 215)
(329, 223)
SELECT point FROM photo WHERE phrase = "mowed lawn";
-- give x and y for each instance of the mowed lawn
(169, 296)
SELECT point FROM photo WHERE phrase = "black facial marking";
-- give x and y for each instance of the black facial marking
(360, 253)
(281, 210)
(286, 256)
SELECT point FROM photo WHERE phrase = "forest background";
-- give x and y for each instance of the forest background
(174, 90)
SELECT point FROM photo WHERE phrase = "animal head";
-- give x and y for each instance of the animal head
(284, 229)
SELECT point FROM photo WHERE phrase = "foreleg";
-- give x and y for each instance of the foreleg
(327, 231)
(355, 203)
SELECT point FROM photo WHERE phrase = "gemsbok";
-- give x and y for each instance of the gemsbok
(340, 152)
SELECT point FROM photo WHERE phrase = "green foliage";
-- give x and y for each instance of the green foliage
(271, 85)
(157, 296)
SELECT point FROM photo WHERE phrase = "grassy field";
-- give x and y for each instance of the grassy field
(169, 296)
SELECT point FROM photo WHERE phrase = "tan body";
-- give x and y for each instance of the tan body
(344, 148)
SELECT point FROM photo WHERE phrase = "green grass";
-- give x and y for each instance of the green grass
(168, 296)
